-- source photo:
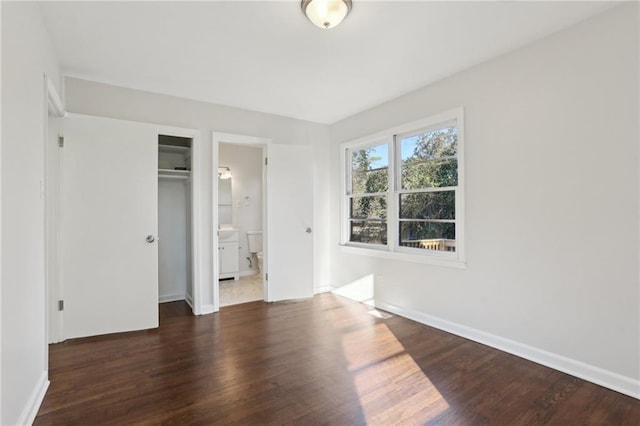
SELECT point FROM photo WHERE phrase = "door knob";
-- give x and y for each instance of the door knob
(308, 231)
(150, 239)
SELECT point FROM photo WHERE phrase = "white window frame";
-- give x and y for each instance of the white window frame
(346, 193)
(393, 250)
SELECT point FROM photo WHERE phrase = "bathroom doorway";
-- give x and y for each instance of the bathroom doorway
(241, 220)
(287, 212)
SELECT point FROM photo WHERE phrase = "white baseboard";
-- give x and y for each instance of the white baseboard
(35, 400)
(171, 298)
(324, 289)
(591, 373)
(189, 299)
(248, 273)
(206, 309)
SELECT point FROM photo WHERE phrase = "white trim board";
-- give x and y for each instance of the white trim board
(55, 109)
(54, 101)
(164, 298)
(35, 400)
(590, 373)
(206, 309)
(324, 289)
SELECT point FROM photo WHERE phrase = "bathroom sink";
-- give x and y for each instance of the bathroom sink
(227, 234)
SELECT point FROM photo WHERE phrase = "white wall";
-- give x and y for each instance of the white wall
(26, 56)
(552, 203)
(246, 189)
(173, 260)
(116, 102)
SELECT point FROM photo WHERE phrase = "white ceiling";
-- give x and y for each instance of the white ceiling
(265, 56)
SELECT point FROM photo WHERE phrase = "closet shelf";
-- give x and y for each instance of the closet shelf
(174, 174)
(173, 149)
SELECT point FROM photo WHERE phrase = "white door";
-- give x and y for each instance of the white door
(290, 218)
(109, 205)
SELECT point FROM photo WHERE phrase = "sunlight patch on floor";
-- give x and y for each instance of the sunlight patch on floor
(358, 351)
(383, 374)
(379, 314)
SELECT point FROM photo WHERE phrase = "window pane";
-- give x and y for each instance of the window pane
(428, 205)
(374, 207)
(370, 232)
(428, 159)
(428, 235)
(431, 145)
(429, 174)
(369, 169)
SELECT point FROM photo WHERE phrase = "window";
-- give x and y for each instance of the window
(369, 185)
(404, 189)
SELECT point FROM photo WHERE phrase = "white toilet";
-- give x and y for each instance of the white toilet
(255, 247)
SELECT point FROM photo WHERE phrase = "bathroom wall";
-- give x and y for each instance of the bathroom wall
(246, 193)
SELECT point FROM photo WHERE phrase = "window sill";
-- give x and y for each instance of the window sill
(404, 257)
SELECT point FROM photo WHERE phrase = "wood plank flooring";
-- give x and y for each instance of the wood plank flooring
(318, 361)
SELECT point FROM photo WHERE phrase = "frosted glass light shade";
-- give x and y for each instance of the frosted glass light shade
(326, 13)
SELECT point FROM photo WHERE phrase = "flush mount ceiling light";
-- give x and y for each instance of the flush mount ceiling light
(326, 13)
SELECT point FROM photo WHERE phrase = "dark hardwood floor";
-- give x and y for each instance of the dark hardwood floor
(319, 361)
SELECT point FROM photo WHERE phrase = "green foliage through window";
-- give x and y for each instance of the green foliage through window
(429, 159)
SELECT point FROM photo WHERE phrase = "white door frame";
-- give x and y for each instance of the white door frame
(237, 139)
(199, 306)
(53, 326)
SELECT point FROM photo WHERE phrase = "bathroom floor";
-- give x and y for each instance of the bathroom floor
(246, 289)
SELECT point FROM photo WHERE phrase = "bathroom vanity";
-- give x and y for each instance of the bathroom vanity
(228, 253)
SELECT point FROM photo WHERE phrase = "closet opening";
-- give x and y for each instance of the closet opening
(175, 204)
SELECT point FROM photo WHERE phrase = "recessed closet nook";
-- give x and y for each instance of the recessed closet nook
(174, 219)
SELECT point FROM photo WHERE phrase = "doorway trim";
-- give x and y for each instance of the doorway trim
(199, 306)
(237, 139)
(53, 326)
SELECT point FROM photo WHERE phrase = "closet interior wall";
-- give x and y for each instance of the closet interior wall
(174, 219)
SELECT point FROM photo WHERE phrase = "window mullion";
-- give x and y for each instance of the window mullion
(392, 198)
(349, 173)
(345, 213)
(428, 189)
(368, 194)
(428, 220)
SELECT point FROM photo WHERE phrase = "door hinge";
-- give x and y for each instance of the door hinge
(266, 276)
(266, 161)
(61, 305)
(60, 141)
